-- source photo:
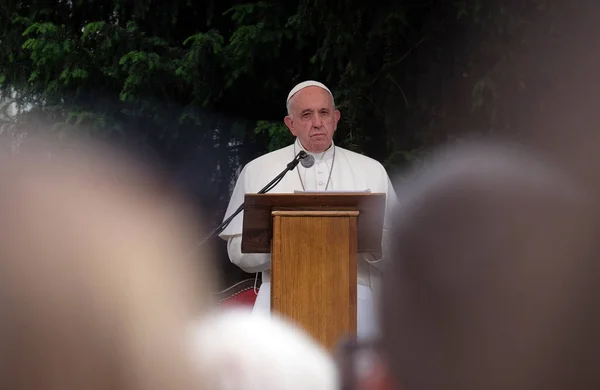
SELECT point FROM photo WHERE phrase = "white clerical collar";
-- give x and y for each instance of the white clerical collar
(326, 155)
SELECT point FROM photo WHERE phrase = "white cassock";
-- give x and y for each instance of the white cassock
(337, 169)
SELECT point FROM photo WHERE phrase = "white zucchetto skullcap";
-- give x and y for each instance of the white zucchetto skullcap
(304, 84)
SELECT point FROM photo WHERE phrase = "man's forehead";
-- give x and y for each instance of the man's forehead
(311, 99)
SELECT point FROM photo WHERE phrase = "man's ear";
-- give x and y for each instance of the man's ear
(290, 124)
(336, 117)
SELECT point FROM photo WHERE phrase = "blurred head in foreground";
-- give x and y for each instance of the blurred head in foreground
(237, 350)
(490, 283)
(97, 287)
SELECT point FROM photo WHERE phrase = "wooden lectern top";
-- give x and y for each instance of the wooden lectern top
(258, 219)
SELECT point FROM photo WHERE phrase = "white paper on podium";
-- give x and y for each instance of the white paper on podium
(332, 192)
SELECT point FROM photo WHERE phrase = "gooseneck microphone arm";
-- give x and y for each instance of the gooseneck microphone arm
(290, 167)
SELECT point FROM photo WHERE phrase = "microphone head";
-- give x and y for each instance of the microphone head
(307, 160)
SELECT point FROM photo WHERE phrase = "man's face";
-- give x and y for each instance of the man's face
(313, 118)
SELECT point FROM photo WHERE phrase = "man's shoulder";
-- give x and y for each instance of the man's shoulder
(362, 159)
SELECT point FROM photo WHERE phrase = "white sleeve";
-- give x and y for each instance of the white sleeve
(248, 262)
(390, 204)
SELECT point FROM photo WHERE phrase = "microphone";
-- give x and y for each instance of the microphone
(290, 167)
(307, 160)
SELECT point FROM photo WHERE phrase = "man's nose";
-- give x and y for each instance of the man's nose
(317, 122)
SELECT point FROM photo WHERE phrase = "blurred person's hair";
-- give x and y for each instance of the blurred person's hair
(487, 284)
(238, 350)
(97, 283)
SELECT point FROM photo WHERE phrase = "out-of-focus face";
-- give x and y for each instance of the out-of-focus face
(107, 249)
(313, 118)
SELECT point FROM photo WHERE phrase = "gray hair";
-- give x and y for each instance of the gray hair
(482, 236)
(235, 337)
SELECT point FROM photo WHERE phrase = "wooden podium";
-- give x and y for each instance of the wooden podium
(314, 239)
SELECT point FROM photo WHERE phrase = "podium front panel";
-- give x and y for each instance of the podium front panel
(314, 272)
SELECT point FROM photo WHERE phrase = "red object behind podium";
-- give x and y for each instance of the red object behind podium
(240, 294)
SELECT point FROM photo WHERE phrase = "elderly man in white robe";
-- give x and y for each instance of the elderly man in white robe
(312, 118)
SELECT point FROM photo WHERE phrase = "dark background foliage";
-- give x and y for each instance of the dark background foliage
(199, 87)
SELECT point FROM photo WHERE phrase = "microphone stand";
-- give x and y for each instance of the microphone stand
(290, 167)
